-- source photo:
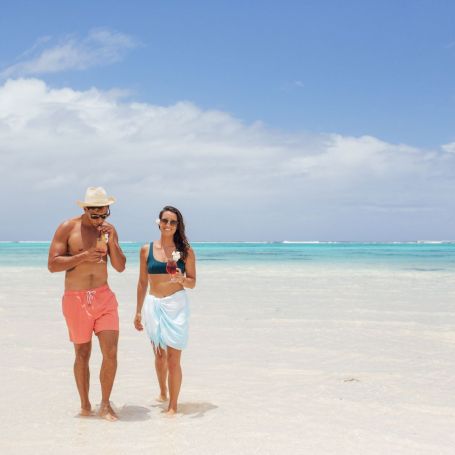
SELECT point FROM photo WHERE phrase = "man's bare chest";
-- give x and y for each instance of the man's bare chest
(81, 239)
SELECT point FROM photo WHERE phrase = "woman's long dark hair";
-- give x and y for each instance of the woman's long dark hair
(180, 240)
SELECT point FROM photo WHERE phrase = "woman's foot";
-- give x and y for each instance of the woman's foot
(162, 398)
(171, 412)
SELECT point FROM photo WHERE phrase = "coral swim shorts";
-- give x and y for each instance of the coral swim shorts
(89, 311)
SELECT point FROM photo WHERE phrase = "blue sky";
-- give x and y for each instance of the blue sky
(355, 67)
(301, 78)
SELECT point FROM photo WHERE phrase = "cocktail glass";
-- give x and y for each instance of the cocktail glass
(101, 245)
(171, 268)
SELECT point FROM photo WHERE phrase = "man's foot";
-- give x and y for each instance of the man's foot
(86, 411)
(106, 412)
(162, 398)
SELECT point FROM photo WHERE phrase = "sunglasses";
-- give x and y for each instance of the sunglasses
(95, 216)
(165, 221)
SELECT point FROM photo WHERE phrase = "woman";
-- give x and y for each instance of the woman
(165, 309)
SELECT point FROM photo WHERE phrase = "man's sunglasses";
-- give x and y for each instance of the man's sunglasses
(95, 216)
(165, 221)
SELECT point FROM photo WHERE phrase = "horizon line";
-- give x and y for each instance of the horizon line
(434, 241)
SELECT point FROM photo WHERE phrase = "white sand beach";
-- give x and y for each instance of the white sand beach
(298, 360)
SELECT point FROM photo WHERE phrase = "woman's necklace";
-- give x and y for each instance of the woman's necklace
(166, 249)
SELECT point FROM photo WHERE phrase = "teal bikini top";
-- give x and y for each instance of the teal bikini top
(155, 267)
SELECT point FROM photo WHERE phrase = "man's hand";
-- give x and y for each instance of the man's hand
(94, 255)
(108, 229)
(118, 259)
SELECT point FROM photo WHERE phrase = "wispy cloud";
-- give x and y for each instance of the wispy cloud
(100, 47)
(449, 148)
(291, 86)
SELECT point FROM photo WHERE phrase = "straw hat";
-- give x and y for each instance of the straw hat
(96, 197)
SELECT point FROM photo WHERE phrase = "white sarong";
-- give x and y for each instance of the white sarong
(166, 320)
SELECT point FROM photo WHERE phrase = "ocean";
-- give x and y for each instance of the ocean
(418, 256)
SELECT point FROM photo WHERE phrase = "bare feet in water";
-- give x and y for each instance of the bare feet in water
(161, 398)
(106, 412)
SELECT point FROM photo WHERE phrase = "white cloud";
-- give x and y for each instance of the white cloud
(449, 148)
(234, 181)
(99, 47)
(292, 86)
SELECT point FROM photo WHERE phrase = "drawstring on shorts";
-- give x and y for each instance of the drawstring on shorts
(90, 295)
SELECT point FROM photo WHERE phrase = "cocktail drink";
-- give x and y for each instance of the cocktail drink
(171, 268)
(171, 264)
(101, 244)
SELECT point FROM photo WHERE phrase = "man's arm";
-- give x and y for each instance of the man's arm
(58, 260)
(118, 259)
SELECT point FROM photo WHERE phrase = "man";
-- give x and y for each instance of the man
(80, 248)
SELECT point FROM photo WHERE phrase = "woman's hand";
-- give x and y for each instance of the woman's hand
(138, 322)
(179, 277)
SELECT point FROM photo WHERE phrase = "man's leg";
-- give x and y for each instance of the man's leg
(82, 375)
(108, 343)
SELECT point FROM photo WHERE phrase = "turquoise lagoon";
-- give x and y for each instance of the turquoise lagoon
(419, 256)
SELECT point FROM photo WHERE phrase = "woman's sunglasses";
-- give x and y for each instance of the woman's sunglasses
(165, 221)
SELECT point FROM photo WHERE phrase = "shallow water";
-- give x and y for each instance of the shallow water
(414, 256)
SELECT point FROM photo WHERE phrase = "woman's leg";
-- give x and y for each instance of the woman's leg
(175, 377)
(161, 372)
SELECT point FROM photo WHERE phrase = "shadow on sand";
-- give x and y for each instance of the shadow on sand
(130, 413)
(195, 410)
